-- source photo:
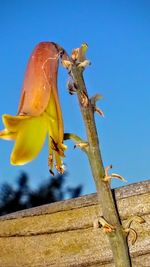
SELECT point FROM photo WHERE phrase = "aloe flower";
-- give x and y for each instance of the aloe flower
(39, 112)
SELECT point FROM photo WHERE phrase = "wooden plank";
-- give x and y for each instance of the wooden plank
(87, 200)
(62, 234)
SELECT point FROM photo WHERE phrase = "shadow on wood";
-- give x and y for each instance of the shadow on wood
(62, 234)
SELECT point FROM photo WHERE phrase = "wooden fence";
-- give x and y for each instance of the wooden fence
(62, 234)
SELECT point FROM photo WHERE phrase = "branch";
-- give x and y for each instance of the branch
(116, 237)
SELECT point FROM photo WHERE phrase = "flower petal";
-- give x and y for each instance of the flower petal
(40, 76)
(55, 118)
(7, 135)
(30, 139)
(12, 123)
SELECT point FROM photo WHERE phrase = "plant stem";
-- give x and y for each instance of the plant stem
(117, 238)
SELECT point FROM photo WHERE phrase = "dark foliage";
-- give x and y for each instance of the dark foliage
(23, 197)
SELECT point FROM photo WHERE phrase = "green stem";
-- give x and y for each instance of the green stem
(117, 238)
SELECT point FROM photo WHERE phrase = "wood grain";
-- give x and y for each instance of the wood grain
(62, 234)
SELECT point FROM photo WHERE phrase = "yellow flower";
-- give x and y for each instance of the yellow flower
(39, 112)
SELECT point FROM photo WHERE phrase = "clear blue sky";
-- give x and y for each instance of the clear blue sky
(118, 35)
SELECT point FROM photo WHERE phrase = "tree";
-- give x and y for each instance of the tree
(22, 197)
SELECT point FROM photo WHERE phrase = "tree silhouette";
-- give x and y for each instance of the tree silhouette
(23, 197)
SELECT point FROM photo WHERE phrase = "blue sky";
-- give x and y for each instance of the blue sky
(118, 35)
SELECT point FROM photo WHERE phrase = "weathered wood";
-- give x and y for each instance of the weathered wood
(62, 234)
